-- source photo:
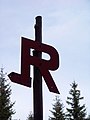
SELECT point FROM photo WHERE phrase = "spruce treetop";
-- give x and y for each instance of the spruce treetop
(76, 111)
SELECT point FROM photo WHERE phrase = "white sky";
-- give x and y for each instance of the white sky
(66, 26)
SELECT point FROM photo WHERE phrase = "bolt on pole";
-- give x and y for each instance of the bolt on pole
(37, 82)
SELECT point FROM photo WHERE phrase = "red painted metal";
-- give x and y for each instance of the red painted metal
(43, 65)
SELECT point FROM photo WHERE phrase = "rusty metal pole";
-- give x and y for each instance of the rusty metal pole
(37, 82)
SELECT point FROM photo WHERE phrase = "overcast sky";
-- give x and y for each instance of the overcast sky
(66, 26)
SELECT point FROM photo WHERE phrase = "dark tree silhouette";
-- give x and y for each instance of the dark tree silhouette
(75, 111)
(30, 117)
(57, 111)
(6, 110)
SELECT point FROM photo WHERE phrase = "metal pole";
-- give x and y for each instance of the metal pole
(37, 82)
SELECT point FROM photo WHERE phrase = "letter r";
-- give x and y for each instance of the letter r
(43, 65)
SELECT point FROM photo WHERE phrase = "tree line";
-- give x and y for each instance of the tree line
(74, 111)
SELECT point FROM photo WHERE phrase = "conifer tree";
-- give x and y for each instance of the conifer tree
(6, 110)
(57, 111)
(75, 111)
(30, 117)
